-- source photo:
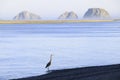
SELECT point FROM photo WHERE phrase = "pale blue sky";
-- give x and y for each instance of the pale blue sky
(51, 9)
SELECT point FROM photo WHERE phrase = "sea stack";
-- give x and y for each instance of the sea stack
(25, 15)
(96, 13)
(68, 15)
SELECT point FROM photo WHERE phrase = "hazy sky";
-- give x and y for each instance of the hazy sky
(53, 8)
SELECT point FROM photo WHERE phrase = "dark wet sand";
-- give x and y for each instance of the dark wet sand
(108, 72)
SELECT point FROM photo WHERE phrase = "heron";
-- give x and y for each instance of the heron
(49, 63)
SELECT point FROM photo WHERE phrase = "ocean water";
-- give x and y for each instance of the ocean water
(25, 48)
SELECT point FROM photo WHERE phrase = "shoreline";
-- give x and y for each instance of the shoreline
(107, 72)
(49, 21)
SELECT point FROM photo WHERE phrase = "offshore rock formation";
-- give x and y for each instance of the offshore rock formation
(68, 15)
(96, 13)
(25, 15)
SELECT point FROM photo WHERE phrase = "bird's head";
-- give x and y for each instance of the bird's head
(51, 55)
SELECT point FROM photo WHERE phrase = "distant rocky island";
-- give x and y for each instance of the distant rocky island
(68, 15)
(96, 13)
(25, 15)
(91, 15)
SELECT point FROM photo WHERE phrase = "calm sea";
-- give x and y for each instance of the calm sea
(25, 48)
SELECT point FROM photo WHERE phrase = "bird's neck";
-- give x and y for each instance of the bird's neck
(50, 58)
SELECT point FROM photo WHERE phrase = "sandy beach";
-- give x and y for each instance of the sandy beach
(48, 21)
(108, 72)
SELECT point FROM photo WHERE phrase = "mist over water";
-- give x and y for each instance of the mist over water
(25, 48)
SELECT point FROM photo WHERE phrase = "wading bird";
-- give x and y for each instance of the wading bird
(49, 63)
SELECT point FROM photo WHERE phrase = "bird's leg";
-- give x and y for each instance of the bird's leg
(48, 68)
